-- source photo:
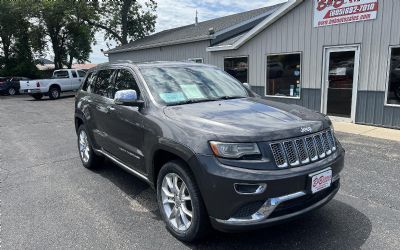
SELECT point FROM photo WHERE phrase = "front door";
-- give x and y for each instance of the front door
(340, 81)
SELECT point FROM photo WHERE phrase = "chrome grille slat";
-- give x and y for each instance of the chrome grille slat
(303, 150)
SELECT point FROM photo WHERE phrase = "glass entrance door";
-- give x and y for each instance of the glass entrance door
(341, 76)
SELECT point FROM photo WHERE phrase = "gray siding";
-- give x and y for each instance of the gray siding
(370, 110)
(169, 53)
(295, 33)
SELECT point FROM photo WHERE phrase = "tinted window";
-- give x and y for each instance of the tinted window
(284, 75)
(125, 80)
(176, 85)
(103, 83)
(81, 73)
(87, 85)
(237, 67)
(74, 75)
(61, 74)
(393, 94)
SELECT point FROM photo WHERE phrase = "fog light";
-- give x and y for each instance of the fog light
(243, 188)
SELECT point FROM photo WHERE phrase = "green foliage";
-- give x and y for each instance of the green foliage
(15, 40)
(70, 35)
(125, 20)
(28, 28)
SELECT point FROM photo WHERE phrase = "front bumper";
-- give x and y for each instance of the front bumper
(287, 193)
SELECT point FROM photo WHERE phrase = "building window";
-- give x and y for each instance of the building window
(393, 91)
(237, 67)
(196, 60)
(284, 75)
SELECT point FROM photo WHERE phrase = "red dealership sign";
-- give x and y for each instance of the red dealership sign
(331, 12)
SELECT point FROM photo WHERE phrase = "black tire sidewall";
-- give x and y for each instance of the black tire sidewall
(37, 96)
(93, 158)
(200, 217)
(51, 93)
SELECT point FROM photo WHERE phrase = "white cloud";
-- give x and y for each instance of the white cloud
(175, 13)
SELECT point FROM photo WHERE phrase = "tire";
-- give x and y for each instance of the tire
(89, 159)
(199, 223)
(37, 96)
(54, 93)
(12, 91)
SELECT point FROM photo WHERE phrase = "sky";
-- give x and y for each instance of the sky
(175, 13)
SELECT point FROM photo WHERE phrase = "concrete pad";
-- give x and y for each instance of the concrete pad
(371, 131)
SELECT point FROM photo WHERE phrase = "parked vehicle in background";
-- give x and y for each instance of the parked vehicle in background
(63, 80)
(216, 153)
(11, 86)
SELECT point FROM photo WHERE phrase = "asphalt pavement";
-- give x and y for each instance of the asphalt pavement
(49, 201)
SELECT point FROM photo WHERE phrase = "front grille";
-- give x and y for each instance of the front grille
(303, 150)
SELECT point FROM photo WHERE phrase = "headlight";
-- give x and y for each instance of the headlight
(234, 150)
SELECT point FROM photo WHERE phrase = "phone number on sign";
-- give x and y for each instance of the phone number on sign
(352, 10)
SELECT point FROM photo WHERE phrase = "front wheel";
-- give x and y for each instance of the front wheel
(180, 202)
(37, 96)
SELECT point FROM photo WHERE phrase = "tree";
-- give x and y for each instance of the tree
(16, 33)
(70, 35)
(124, 20)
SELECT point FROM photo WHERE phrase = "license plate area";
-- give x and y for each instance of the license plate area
(320, 180)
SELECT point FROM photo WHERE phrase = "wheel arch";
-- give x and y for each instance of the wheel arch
(165, 152)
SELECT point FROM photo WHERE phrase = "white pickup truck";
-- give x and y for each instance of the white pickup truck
(63, 80)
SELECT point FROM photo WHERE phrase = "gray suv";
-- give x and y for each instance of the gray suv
(217, 154)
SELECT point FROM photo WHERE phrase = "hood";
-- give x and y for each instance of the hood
(248, 119)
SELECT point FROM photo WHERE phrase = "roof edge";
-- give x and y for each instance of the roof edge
(156, 45)
(283, 10)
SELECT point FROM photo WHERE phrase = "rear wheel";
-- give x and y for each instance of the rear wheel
(180, 202)
(88, 157)
(12, 91)
(37, 96)
(54, 93)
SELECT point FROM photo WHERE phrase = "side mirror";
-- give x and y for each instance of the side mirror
(127, 98)
(246, 85)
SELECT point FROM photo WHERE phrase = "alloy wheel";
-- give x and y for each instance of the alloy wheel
(84, 146)
(11, 91)
(177, 202)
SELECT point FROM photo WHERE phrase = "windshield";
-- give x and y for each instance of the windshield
(190, 84)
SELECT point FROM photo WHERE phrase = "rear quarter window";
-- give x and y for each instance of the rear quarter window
(87, 85)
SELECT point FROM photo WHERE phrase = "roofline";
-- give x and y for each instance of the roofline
(156, 45)
(283, 10)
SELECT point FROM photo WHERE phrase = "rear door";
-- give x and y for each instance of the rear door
(64, 78)
(126, 132)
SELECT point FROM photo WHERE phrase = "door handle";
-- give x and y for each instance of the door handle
(110, 108)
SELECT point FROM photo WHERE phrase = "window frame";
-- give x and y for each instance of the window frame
(386, 104)
(193, 60)
(133, 73)
(248, 65)
(301, 75)
(112, 79)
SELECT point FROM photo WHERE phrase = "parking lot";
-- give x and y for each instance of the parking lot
(48, 200)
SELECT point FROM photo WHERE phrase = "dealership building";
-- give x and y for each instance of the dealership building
(338, 57)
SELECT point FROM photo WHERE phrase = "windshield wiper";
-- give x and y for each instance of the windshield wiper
(190, 101)
(229, 97)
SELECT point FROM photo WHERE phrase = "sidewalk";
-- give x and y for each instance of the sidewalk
(371, 131)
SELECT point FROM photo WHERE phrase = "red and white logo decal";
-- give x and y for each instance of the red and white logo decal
(331, 12)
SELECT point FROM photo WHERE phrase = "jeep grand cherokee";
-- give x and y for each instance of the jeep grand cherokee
(217, 154)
